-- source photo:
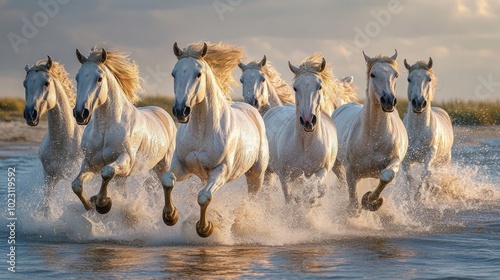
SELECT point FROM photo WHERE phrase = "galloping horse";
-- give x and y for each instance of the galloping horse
(372, 138)
(263, 87)
(218, 140)
(49, 90)
(120, 140)
(302, 138)
(430, 131)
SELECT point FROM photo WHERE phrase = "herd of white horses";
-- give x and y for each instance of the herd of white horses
(298, 131)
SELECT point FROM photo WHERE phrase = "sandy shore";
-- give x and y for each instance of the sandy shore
(19, 133)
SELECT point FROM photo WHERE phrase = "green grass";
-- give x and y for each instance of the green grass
(461, 112)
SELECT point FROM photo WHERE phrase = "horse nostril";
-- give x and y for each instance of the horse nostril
(424, 104)
(301, 121)
(383, 100)
(34, 114)
(85, 113)
(395, 101)
(256, 103)
(413, 103)
(313, 121)
(74, 113)
(187, 111)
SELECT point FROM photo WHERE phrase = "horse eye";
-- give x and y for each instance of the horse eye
(198, 75)
(241, 80)
(294, 88)
(320, 87)
(409, 81)
(47, 83)
(263, 79)
(430, 79)
(397, 75)
(372, 75)
(99, 79)
(173, 75)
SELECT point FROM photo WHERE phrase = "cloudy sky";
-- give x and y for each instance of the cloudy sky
(463, 37)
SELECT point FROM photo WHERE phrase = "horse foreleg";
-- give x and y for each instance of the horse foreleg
(339, 171)
(177, 171)
(372, 200)
(217, 179)
(285, 186)
(50, 184)
(353, 207)
(77, 185)
(119, 167)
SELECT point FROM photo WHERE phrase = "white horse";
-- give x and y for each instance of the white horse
(302, 138)
(263, 87)
(120, 140)
(430, 131)
(372, 138)
(49, 90)
(218, 140)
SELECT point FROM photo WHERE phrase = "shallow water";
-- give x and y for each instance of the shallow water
(452, 231)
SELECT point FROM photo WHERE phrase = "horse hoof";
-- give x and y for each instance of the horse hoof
(371, 205)
(170, 219)
(104, 209)
(205, 232)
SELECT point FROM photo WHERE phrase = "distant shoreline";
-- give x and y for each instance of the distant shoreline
(19, 133)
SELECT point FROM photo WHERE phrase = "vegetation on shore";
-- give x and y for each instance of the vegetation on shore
(461, 112)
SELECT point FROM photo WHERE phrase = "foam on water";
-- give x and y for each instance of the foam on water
(240, 219)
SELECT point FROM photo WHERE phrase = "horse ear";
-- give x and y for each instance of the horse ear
(49, 62)
(177, 51)
(348, 79)
(322, 65)
(294, 69)
(263, 61)
(407, 65)
(26, 68)
(429, 64)
(81, 58)
(395, 56)
(242, 66)
(367, 58)
(104, 55)
(204, 50)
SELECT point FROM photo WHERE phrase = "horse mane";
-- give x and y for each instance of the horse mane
(423, 65)
(332, 87)
(282, 88)
(222, 58)
(125, 71)
(381, 59)
(350, 92)
(57, 72)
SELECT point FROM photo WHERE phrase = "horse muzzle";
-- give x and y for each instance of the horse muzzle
(31, 116)
(82, 116)
(418, 105)
(182, 113)
(309, 124)
(388, 103)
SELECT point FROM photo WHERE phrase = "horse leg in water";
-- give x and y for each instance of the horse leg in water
(177, 172)
(77, 185)
(353, 207)
(217, 179)
(285, 186)
(120, 167)
(372, 200)
(255, 178)
(50, 184)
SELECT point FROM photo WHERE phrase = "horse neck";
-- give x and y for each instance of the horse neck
(374, 121)
(112, 111)
(274, 99)
(207, 113)
(60, 119)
